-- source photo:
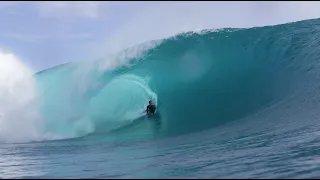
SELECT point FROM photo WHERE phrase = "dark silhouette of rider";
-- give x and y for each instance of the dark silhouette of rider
(151, 108)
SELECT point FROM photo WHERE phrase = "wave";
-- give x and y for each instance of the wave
(198, 81)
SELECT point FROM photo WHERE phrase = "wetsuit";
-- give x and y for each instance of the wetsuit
(151, 109)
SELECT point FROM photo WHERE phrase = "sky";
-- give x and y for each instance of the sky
(45, 34)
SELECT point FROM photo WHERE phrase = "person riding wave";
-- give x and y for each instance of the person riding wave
(151, 108)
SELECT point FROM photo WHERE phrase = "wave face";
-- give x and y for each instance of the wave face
(198, 81)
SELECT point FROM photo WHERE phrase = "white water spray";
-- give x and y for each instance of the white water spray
(19, 116)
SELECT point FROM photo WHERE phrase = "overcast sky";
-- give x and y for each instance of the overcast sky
(44, 34)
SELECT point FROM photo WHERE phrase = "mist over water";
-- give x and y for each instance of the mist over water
(20, 119)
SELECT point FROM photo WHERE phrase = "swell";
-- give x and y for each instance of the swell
(198, 80)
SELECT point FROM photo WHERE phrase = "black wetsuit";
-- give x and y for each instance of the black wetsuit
(151, 109)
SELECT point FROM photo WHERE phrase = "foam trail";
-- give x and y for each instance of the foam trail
(19, 118)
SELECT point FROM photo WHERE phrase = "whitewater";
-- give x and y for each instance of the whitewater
(231, 103)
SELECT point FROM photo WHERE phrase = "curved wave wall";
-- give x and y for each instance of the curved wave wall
(198, 81)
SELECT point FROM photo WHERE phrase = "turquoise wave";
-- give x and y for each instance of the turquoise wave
(198, 81)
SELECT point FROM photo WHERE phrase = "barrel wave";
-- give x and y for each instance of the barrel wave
(198, 80)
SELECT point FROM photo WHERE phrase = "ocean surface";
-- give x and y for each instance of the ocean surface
(231, 103)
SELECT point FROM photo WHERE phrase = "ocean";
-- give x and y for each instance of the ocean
(231, 103)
